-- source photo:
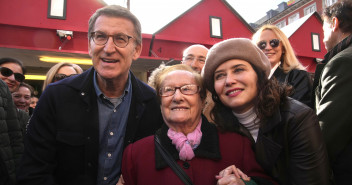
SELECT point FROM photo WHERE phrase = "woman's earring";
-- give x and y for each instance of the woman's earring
(215, 97)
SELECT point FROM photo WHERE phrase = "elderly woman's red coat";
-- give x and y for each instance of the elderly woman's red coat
(142, 164)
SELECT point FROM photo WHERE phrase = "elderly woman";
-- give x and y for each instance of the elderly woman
(191, 141)
(60, 71)
(285, 133)
(285, 66)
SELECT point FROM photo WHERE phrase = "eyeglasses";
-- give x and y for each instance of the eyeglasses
(186, 89)
(120, 40)
(273, 43)
(192, 58)
(59, 77)
(8, 72)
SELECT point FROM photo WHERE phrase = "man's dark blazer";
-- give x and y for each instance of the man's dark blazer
(63, 134)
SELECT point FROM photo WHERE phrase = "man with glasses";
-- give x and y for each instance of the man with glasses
(11, 141)
(194, 56)
(82, 124)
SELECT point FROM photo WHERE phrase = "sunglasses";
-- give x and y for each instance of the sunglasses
(273, 43)
(8, 72)
(59, 77)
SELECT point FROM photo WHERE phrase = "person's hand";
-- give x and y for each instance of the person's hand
(121, 181)
(232, 170)
(230, 180)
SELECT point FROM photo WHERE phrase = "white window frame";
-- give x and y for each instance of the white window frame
(57, 9)
(310, 9)
(330, 2)
(215, 27)
(281, 24)
(293, 18)
(315, 42)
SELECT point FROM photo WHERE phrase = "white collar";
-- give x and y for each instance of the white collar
(273, 69)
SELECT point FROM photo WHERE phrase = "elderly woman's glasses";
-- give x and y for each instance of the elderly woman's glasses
(186, 89)
(8, 72)
(120, 40)
(273, 43)
(59, 77)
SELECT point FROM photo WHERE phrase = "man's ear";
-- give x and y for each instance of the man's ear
(137, 51)
(335, 23)
(89, 48)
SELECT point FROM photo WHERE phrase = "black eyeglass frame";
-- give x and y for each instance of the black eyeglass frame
(8, 72)
(274, 43)
(113, 38)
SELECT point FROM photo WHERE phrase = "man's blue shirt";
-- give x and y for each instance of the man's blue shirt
(113, 115)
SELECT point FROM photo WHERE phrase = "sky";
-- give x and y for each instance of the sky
(154, 14)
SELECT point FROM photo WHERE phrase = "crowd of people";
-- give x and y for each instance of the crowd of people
(243, 111)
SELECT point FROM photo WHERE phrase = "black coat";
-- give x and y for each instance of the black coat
(333, 105)
(11, 140)
(290, 146)
(62, 140)
(300, 81)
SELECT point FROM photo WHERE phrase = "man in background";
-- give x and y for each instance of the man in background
(195, 56)
(333, 89)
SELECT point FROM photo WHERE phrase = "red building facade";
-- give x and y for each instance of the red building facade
(27, 33)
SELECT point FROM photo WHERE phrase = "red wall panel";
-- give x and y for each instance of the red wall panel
(193, 26)
(33, 13)
(301, 40)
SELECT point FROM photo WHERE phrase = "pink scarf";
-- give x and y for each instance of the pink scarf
(186, 145)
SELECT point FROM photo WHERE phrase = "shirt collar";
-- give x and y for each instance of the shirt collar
(273, 69)
(98, 91)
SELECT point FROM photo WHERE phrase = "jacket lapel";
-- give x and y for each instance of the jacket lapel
(136, 110)
(266, 147)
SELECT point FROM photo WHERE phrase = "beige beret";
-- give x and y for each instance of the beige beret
(236, 48)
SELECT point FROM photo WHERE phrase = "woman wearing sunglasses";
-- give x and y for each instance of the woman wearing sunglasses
(285, 66)
(12, 73)
(60, 71)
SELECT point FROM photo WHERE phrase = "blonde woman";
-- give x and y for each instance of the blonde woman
(60, 71)
(285, 66)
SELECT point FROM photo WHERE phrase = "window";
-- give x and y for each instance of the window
(57, 9)
(215, 27)
(315, 42)
(310, 9)
(330, 2)
(281, 24)
(293, 18)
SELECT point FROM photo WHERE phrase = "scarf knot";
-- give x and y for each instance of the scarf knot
(186, 144)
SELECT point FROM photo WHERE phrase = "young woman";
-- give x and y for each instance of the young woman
(285, 133)
(12, 73)
(285, 66)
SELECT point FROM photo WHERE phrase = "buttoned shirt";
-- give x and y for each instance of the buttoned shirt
(113, 115)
